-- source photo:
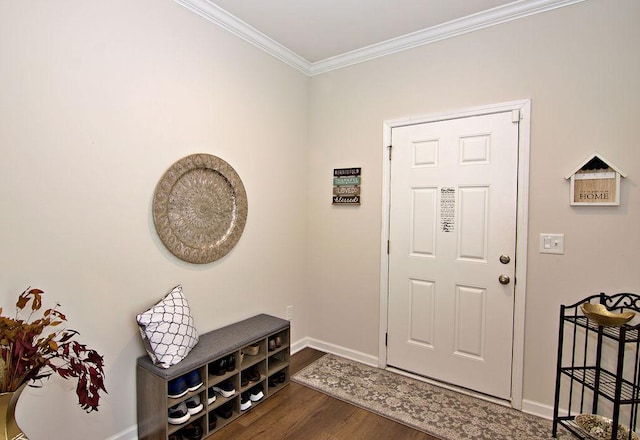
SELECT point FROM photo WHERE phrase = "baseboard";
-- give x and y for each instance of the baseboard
(537, 409)
(298, 345)
(130, 433)
(327, 347)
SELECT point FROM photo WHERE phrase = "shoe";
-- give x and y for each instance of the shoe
(211, 396)
(252, 349)
(272, 344)
(218, 367)
(194, 406)
(192, 431)
(243, 380)
(231, 363)
(225, 411)
(245, 401)
(213, 421)
(175, 436)
(178, 414)
(226, 389)
(256, 393)
(281, 377)
(177, 387)
(194, 381)
(278, 342)
(273, 381)
(252, 374)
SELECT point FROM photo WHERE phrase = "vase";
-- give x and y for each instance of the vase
(9, 429)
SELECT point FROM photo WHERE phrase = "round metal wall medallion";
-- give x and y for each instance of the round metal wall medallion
(200, 208)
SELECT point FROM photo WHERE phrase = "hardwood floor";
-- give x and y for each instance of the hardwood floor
(298, 412)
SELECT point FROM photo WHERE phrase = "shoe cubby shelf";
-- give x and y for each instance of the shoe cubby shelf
(247, 361)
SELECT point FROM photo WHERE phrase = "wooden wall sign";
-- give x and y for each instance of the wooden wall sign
(596, 182)
(346, 186)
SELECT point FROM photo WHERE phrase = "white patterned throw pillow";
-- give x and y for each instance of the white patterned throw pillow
(168, 330)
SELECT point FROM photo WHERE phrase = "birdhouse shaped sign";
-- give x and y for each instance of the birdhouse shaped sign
(596, 182)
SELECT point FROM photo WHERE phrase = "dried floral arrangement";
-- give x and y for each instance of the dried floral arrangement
(32, 350)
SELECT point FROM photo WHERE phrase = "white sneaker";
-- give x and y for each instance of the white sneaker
(194, 406)
(178, 414)
(245, 402)
(256, 393)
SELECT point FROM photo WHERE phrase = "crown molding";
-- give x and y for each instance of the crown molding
(222, 18)
(502, 14)
(471, 23)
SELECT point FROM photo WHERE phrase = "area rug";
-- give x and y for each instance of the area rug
(439, 412)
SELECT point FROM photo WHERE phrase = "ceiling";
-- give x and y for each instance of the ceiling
(320, 35)
(320, 29)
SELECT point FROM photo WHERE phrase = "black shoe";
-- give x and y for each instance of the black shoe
(213, 421)
(273, 381)
(219, 367)
(192, 431)
(231, 363)
(253, 375)
(225, 411)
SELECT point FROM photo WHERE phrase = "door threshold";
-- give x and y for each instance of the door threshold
(451, 387)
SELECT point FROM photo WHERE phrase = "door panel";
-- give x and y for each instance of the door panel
(423, 222)
(472, 235)
(422, 297)
(470, 322)
(452, 214)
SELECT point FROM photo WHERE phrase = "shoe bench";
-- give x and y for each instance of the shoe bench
(271, 361)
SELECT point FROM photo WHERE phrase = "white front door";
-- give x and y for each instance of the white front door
(452, 232)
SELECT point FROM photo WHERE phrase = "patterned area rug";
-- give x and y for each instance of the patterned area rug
(437, 411)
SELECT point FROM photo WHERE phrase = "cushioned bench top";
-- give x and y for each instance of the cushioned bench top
(217, 343)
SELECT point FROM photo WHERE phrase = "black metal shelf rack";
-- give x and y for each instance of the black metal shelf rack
(588, 378)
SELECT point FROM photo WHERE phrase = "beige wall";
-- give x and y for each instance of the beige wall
(580, 68)
(97, 100)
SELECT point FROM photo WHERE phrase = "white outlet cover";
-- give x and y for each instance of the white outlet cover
(551, 243)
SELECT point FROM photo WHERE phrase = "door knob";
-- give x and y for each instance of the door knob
(505, 259)
(504, 279)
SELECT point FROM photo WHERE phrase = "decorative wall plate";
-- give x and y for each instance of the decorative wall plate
(200, 208)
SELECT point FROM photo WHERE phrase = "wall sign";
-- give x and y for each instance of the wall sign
(447, 209)
(346, 186)
(596, 182)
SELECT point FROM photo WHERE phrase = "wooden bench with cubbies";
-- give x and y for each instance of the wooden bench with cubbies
(240, 365)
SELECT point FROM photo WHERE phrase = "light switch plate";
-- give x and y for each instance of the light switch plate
(552, 243)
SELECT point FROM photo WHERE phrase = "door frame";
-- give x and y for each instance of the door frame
(523, 108)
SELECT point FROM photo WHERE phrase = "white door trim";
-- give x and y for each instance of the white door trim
(522, 227)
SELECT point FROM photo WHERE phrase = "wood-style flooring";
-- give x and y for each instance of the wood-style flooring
(297, 412)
